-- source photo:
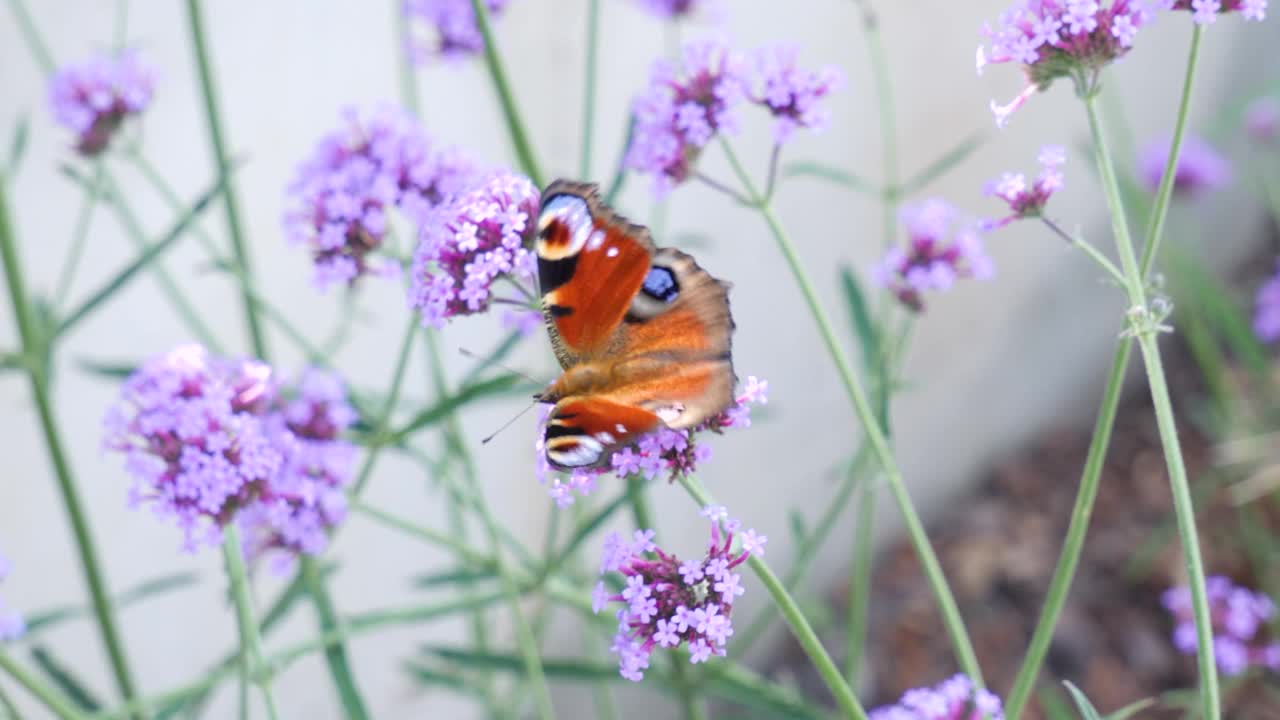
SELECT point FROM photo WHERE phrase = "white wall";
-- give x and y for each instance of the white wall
(990, 365)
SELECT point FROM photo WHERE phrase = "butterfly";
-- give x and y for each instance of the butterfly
(643, 333)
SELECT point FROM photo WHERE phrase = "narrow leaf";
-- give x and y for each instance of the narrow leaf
(43, 620)
(743, 687)
(105, 369)
(65, 679)
(945, 163)
(432, 677)
(443, 408)
(798, 530)
(451, 577)
(863, 326)
(830, 174)
(1087, 711)
(18, 146)
(560, 668)
(1131, 709)
(495, 357)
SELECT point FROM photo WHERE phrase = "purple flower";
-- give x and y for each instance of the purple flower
(792, 95)
(354, 178)
(1205, 12)
(667, 602)
(1266, 309)
(683, 108)
(1057, 38)
(1262, 119)
(92, 98)
(680, 9)
(1201, 168)
(12, 625)
(935, 256)
(1029, 200)
(1238, 617)
(471, 242)
(445, 28)
(953, 699)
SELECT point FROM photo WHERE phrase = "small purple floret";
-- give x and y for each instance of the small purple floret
(1238, 617)
(953, 699)
(93, 98)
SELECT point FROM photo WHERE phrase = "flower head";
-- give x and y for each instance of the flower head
(354, 178)
(683, 109)
(953, 699)
(1266, 309)
(12, 625)
(470, 243)
(1056, 38)
(92, 98)
(793, 95)
(666, 602)
(1201, 168)
(445, 28)
(1205, 12)
(936, 255)
(1238, 616)
(1262, 119)
(1029, 200)
(681, 9)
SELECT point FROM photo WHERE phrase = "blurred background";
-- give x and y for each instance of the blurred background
(991, 366)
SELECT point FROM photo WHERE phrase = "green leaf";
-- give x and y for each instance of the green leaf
(494, 358)
(558, 668)
(43, 620)
(798, 530)
(432, 677)
(451, 577)
(741, 686)
(1131, 709)
(113, 371)
(835, 175)
(65, 679)
(587, 528)
(18, 146)
(1055, 706)
(443, 408)
(145, 258)
(945, 163)
(863, 326)
(1087, 711)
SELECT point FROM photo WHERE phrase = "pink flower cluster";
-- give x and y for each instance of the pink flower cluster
(674, 452)
(1028, 200)
(1201, 167)
(953, 699)
(666, 602)
(445, 28)
(1239, 617)
(93, 97)
(937, 254)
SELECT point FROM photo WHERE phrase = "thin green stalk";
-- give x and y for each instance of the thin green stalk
(1155, 224)
(251, 641)
(876, 437)
(48, 696)
(34, 347)
(209, 94)
(382, 424)
(498, 75)
(434, 537)
(408, 78)
(800, 627)
(39, 50)
(888, 123)
(860, 582)
(1145, 327)
(88, 203)
(1068, 559)
(589, 89)
(336, 654)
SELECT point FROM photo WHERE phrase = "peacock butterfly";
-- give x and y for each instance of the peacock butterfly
(642, 332)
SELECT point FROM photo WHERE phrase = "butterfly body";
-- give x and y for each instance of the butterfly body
(643, 333)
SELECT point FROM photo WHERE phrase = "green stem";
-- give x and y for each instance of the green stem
(336, 654)
(209, 93)
(888, 123)
(251, 640)
(1155, 225)
(382, 425)
(1069, 558)
(860, 582)
(87, 205)
(498, 75)
(876, 437)
(408, 78)
(800, 627)
(1144, 327)
(35, 43)
(34, 347)
(48, 696)
(589, 89)
(443, 540)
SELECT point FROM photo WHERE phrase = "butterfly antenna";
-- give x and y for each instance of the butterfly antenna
(508, 423)
(467, 353)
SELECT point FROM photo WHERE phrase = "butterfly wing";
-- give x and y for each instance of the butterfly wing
(583, 431)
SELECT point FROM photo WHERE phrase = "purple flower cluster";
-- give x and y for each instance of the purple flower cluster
(1055, 38)
(344, 191)
(12, 626)
(1266, 309)
(675, 452)
(93, 97)
(953, 699)
(937, 253)
(667, 602)
(445, 28)
(1239, 617)
(1205, 12)
(469, 243)
(686, 106)
(1262, 119)
(1029, 200)
(1201, 168)
(680, 9)
(210, 439)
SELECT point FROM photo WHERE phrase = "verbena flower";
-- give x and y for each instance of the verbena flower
(667, 602)
(296, 509)
(1205, 12)
(953, 699)
(1052, 39)
(354, 178)
(793, 95)
(683, 109)
(680, 9)
(1262, 119)
(12, 625)
(92, 98)
(1239, 617)
(1266, 309)
(939, 251)
(1028, 200)
(470, 243)
(445, 28)
(190, 429)
(670, 452)
(1201, 168)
